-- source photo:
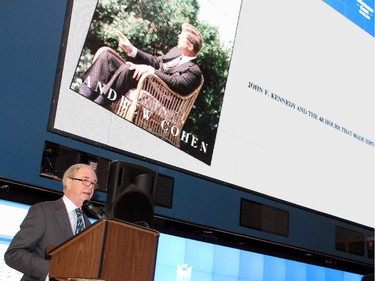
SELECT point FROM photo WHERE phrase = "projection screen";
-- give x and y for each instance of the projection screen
(294, 114)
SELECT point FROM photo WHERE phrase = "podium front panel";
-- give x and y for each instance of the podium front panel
(109, 250)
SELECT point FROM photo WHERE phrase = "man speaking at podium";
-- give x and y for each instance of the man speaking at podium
(50, 224)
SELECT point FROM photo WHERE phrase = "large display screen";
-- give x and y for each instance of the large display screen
(183, 259)
(286, 107)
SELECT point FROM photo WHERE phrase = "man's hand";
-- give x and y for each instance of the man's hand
(124, 42)
(140, 69)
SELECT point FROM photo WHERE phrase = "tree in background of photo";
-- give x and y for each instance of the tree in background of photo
(153, 26)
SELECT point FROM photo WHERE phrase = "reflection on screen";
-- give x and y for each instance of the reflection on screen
(183, 259)
(12, 223)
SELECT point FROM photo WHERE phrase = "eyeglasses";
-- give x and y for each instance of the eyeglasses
(87, 182)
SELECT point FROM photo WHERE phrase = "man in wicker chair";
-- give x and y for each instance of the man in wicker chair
(110, 75)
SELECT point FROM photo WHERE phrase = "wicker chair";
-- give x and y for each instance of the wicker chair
(154, 107)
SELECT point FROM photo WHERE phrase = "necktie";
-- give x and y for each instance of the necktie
(80, 226)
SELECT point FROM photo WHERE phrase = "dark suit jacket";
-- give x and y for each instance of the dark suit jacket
(45, 224)
(183, 78)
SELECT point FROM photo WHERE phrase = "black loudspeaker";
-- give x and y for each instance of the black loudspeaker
(131, 193)
(368, 277)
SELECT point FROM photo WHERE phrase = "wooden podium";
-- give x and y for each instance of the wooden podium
(109, 250)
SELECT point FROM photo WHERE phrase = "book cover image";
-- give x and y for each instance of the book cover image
(176, 101)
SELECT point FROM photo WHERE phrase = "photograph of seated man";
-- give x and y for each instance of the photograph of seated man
(111, 75)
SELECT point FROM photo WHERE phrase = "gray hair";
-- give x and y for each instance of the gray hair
(72, 170)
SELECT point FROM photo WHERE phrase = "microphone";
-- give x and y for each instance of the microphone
(93, 210)
(143, 224)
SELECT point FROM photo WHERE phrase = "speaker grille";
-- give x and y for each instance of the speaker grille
(131, 192)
